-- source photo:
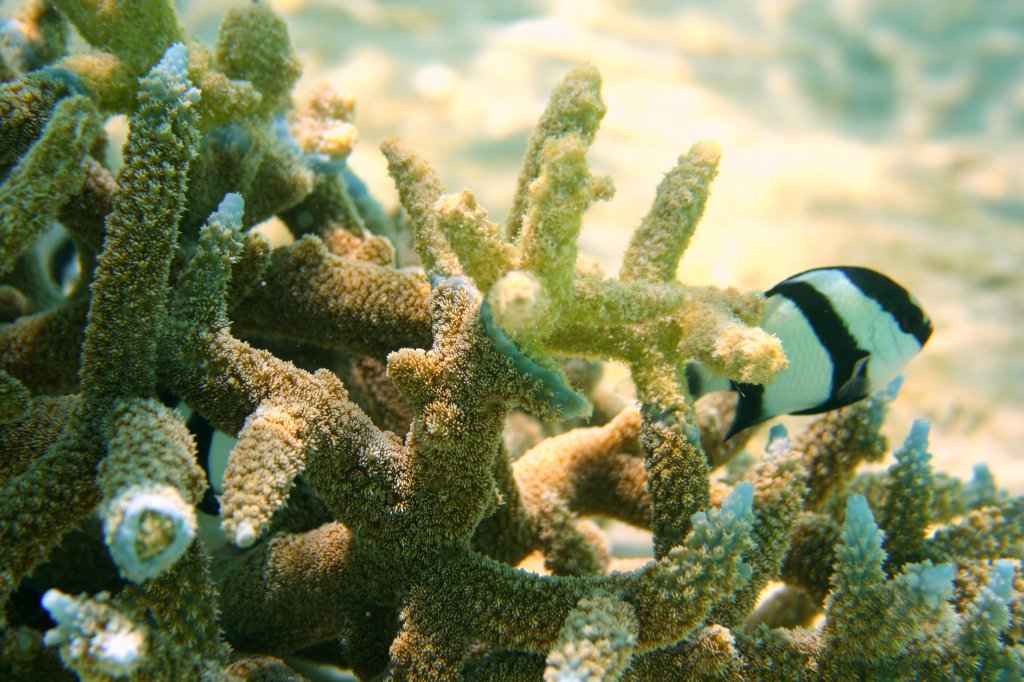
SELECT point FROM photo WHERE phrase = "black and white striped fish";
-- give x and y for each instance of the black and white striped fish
(847, 332)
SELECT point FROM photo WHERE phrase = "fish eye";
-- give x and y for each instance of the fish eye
(911, 317)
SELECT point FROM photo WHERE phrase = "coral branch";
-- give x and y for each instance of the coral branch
(95, 639)
(141, 228)
(665, 232)
(45, 177)
(150, 482)
(575, 108)
(596, 641)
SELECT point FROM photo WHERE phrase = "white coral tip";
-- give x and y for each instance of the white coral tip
(93, 634)
(148, 529)
(245, 535)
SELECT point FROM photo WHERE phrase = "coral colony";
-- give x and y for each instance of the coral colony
(407, 436)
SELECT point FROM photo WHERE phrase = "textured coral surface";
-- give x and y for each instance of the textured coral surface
(423, 459)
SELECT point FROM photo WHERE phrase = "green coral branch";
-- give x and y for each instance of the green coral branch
(420, 189)
(26, 106)
(114, 27)
(201, 294)
(547, 244)
(779, 490)
(664, 233)
(150, 482)
(677, 471)
(476, 241)
(141, 228)
(575, 109)
(906, 515)
(253, 45)
(45, 177)
(119, 352)
(596, 641)
(534, 293)
(861, 592)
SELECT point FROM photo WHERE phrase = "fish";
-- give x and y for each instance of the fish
(847, 332)
(211, 449)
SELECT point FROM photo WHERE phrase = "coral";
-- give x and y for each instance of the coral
(408, 438)
(95, 639)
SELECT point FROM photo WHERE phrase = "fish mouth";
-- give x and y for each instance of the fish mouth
(924, 331)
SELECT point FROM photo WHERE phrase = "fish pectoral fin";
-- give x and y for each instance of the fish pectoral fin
(856, 387)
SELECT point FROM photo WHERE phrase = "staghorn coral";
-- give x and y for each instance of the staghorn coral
(374, 516)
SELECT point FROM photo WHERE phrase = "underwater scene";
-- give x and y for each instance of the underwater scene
(534, 340)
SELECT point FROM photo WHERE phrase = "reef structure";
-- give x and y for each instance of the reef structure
(407, 437)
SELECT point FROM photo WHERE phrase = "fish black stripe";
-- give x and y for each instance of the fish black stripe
(828, 326)
(748, 408)
(893, 299)
(694, 380)
(203, 431)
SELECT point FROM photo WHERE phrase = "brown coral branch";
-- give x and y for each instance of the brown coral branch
(309, 294)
